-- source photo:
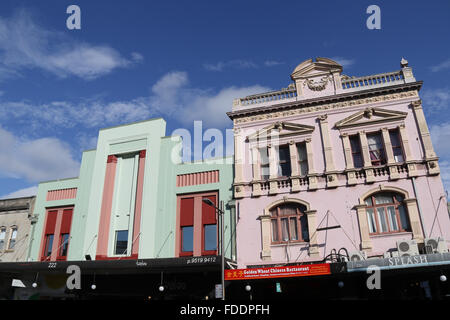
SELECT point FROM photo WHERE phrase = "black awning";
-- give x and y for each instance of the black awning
(181, 264)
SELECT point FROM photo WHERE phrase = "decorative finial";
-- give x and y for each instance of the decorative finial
(404, 63)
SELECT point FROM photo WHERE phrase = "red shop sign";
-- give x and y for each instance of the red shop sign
(278, 272)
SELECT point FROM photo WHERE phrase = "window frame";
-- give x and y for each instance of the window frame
(382, 161)
(262, 165)
(283, 162)
(302, 145)
(396, 131)
(300, 218)
(10, 238)
(359, 152)
(396, 204)
(3, 231)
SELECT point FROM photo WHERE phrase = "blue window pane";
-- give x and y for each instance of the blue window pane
(48, 245)
(121, 242)
(187, 244)
(210, 237)
(64, 244)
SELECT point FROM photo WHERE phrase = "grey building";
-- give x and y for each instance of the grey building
(15, 228)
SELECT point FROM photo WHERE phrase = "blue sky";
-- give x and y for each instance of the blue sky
(185, 61)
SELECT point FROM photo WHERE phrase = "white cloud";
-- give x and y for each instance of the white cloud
(345, 62)
(442, 66)
(440, 135)
(170, 96)
(35, 160)
(436, 100)
(235, 64)
(272, 63)
(25, 192)
(25, 45)
(211, 108)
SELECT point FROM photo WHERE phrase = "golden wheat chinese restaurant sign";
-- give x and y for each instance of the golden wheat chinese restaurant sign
(278, 272)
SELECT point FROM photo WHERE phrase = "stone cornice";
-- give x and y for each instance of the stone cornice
(326, 103)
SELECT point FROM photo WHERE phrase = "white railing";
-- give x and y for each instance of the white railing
(283, 94)
(374, 80)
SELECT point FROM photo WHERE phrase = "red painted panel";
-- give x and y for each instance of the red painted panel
(187, 212)
(66, 221)
(209, 212)
(51, 221)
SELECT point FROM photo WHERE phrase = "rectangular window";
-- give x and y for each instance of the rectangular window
(396, 145)
(2, 238)
(284, 161)
(187, 239)
(264, 162)
(371, 221)
(274, 231)
(121, 242)
(376, 149)
(210, 237)
(48, 245)
(64, 245)
(392, 218)
(355, 145)
(382, 220)
(302, 158)
(285, 229)
(12, 240)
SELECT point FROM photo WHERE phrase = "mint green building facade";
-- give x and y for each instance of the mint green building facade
(123, 205)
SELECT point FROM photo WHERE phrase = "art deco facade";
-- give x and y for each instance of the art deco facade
(334, 162)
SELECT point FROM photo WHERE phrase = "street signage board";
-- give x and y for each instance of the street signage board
(278, 272)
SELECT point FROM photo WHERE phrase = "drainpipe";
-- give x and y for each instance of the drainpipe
(413, 179)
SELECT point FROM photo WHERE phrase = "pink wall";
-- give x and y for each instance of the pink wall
(341, 200)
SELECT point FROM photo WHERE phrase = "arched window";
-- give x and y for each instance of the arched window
(386, 213)
(289, 223)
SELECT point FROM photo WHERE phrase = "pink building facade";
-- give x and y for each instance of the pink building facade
(336, 164)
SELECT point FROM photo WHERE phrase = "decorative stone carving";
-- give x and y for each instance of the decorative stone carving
(317, 86)
(329, 106)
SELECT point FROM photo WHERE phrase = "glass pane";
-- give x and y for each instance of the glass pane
(210, 237)
(395, 139)
(382, 219)
(48, 245)
(293, 230)
(383, 198)
(2, 238)
(285, 229)
(398, 154)
(121, 242)
(403, 218)
(368, 201)
(357, 160)
(287, 210)
(392, 218)
(64, 244)
(284, 153)
(304, 226)
(274, 230)
(265, 172)
(354, 144)
(187, 234)
(303, 168)
(371, 220)
(264, 156)
(285, 169)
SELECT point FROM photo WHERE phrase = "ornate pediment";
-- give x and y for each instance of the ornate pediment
(370, 116)
(322, 66)
(281, 130)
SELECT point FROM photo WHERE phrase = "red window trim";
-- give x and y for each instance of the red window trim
(197, 246)
(394, 204)
(299, 214)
